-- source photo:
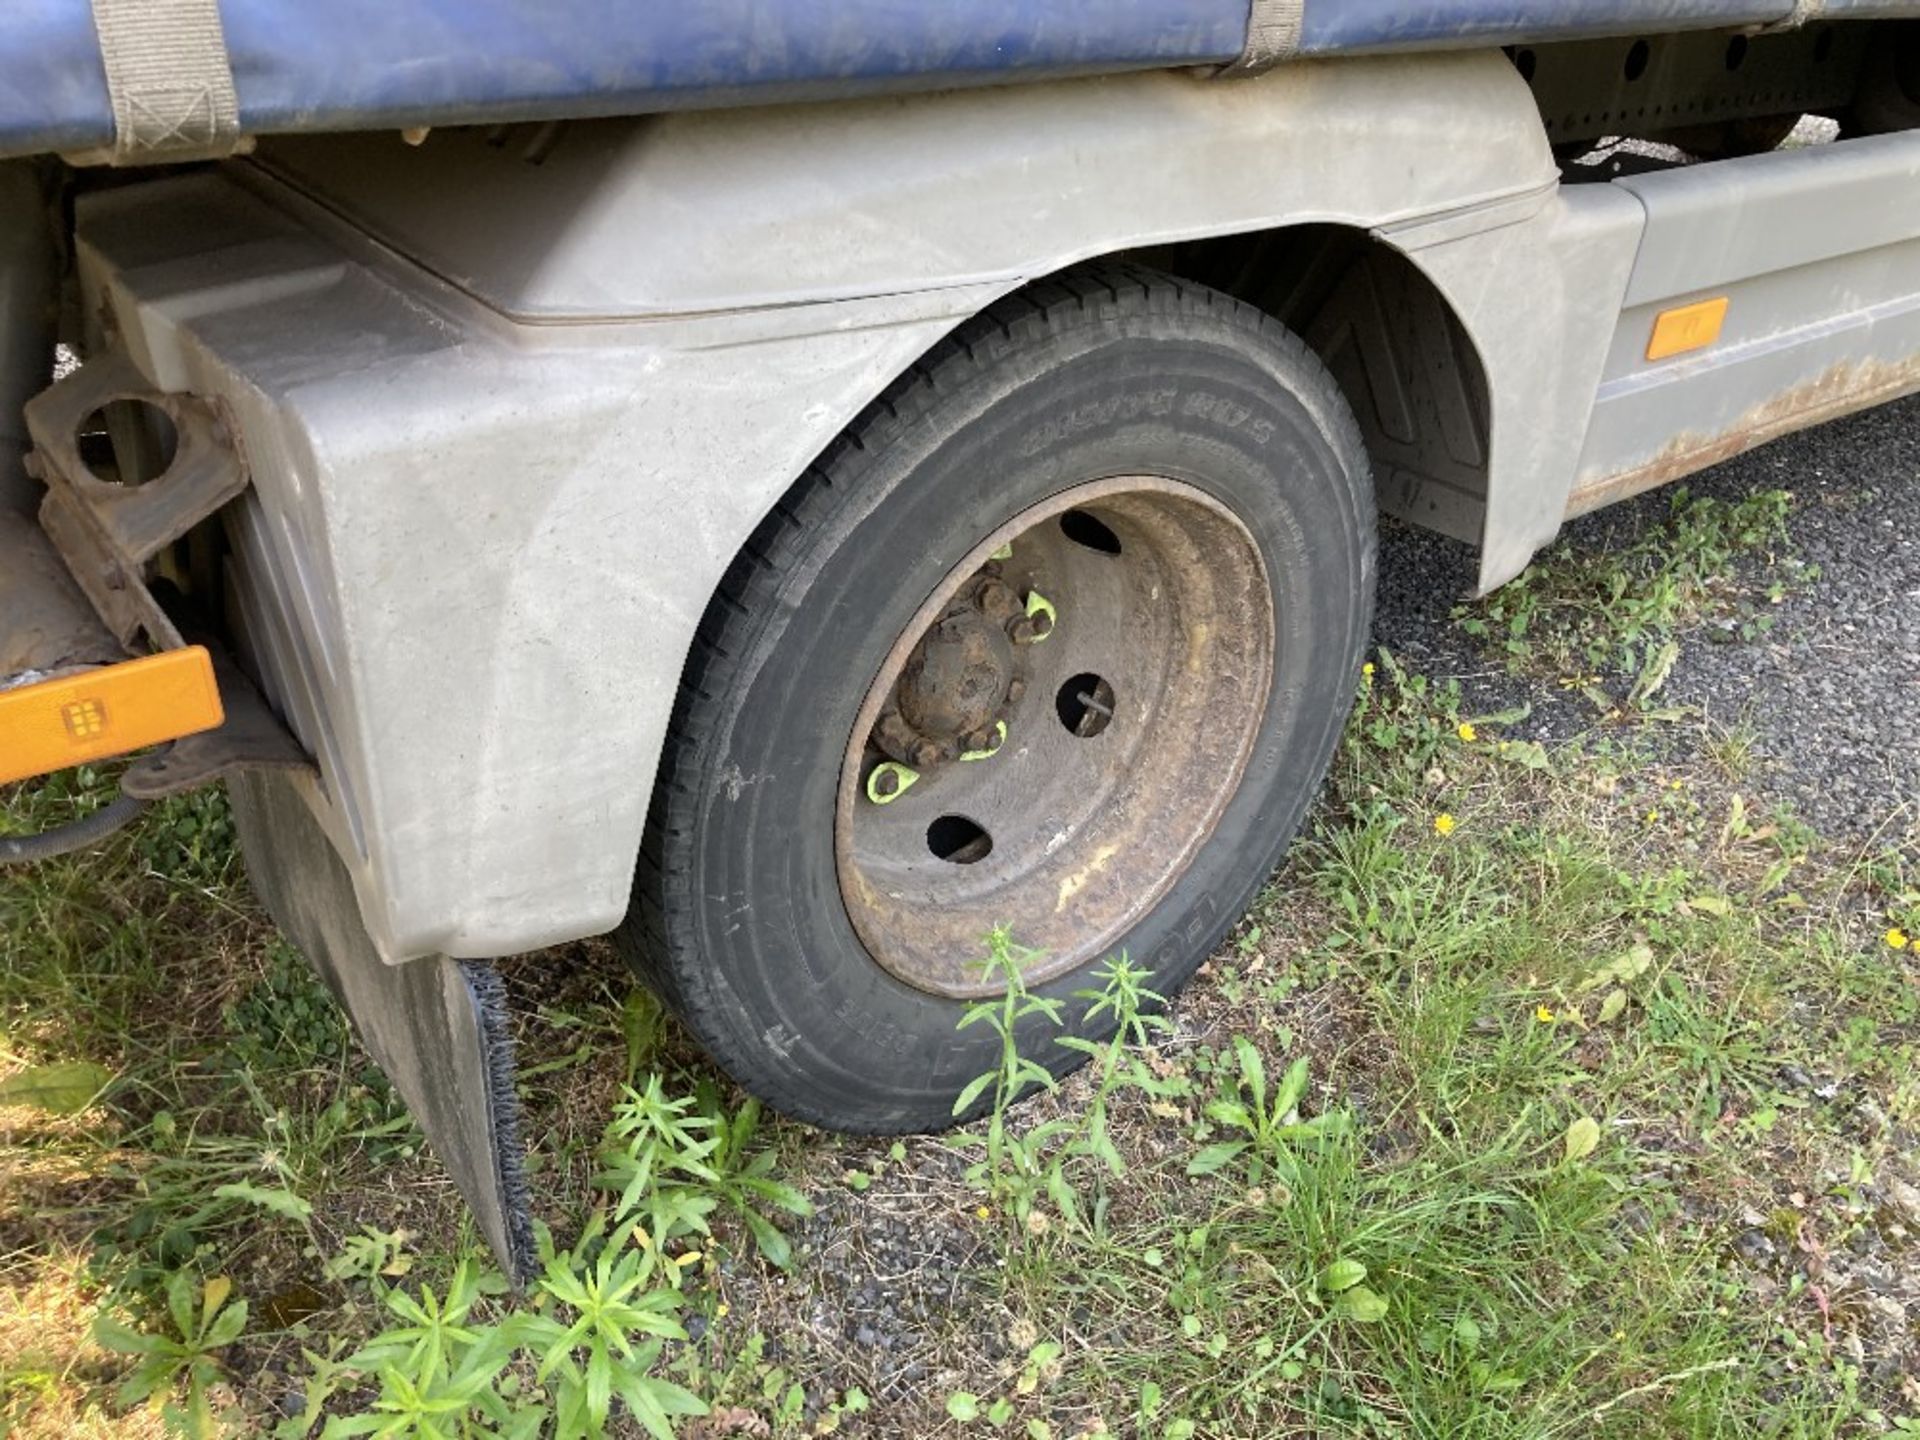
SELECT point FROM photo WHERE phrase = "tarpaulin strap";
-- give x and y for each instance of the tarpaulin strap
(1804, 12)
(169, 80)
(1273, 35)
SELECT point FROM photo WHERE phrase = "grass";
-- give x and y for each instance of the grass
(1546, 1092)
(1463, 987)
(1601, 619)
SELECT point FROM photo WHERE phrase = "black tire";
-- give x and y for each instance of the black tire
(738, 921)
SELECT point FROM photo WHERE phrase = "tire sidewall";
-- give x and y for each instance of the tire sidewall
(1211, 400)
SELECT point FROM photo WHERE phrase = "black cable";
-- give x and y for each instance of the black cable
(88, 830)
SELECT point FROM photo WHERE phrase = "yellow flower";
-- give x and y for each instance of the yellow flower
(1367, 669)
(983, 1212)
(1543, 1014)
(1443, 824)
(1652, 815)
(1897, 938)
(1466, 732)
(722, 1309)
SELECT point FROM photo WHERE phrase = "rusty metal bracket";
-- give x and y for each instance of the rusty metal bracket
(105, 531)
(250, 738)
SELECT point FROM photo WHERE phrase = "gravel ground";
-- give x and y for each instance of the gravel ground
(1832, 694)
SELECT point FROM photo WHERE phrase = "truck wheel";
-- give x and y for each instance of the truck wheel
(1058, 637)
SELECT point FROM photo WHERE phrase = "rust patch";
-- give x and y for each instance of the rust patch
(47, 628)
(1841, 390)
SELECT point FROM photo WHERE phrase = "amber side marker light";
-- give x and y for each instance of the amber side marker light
(107, 711)
(1690, 327)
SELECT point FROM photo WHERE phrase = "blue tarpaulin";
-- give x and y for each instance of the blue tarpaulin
(314, 65)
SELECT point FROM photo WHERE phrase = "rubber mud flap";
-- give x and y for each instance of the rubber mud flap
(436, 1026)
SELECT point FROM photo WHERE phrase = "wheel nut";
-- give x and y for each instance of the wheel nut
(897, 738)
(1036, 620)
(997, 601)
(889, 780)
(1016, 690)
(925, 754)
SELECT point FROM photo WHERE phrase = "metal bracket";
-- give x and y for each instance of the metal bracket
(105, 531)
(250, 738)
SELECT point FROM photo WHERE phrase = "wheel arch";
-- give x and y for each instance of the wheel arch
(1473, 395)
(1393, 341)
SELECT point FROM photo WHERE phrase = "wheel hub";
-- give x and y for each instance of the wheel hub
(958, 682)
(955, 681)
(1056, 789)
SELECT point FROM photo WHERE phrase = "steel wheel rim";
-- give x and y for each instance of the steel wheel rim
(1088, 818)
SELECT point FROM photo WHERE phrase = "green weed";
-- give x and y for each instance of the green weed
(600, 1313)
(185, 1360)
(1602, 619)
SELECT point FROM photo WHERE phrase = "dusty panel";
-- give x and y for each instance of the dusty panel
(1818, 254)
(1541, 299)
(1711, 225)
(1705, 439)
(694, 213)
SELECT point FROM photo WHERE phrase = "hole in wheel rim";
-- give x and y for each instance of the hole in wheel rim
(1084, 705)
(958, 840)
(1090, 531)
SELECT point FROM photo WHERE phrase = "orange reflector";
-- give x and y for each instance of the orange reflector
(1691, 327)
(107, 711)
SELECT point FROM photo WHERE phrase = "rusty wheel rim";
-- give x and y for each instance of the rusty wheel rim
(1128, 722)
